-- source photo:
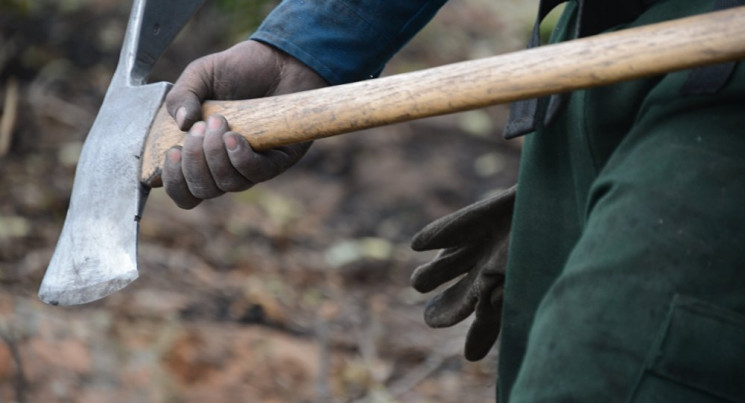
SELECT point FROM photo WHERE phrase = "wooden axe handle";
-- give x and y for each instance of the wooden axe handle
(593, 61)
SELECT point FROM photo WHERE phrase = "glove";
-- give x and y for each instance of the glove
(214, 160)
(474, 242)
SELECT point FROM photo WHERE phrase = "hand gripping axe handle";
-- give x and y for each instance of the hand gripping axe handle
(96, 253)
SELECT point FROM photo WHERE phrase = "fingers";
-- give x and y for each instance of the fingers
(186, 175)
(452, 305)
(224, 175)
(485, 328)
(471, 294)
(447, 265)
(194, 164)
(184, 100)
(261, 166)
(174, 181)
(214, 160)
(467, 224)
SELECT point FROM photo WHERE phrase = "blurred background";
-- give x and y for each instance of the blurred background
(294, 291)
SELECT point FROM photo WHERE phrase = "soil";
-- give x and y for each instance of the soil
(294, 291)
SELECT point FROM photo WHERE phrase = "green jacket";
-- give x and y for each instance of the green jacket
(626, 279)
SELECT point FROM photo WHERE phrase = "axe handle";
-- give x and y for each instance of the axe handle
(593, 61)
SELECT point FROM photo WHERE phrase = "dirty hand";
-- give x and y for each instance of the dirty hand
(214, 160)
(473, 241)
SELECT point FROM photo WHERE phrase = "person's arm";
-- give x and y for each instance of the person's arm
(300, 46)
(345, 41)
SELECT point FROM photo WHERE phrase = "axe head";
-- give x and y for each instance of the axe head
(96, 253)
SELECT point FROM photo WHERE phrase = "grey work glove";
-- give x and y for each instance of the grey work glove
(214, 160)
(473, 243)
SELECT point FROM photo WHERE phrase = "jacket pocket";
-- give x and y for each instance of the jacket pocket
(699, 356)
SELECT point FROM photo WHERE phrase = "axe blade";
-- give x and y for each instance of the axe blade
(96, 253)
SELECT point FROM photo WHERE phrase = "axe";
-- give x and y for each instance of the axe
(96, 254)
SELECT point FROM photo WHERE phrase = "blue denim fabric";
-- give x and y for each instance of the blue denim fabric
(345, 40)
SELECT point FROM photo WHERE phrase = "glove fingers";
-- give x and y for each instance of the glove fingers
(446, 266)
(454, 262)
(485, 328)
(465, 224)
(452, 305)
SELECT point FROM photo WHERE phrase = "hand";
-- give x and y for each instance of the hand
(474, 242)
(214, 160)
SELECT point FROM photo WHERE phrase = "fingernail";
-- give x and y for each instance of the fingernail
(181, 117)
(231, 142)
(214, 123)
(174, 155)
(198, 129)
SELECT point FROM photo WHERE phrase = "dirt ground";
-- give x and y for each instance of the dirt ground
(294, 291)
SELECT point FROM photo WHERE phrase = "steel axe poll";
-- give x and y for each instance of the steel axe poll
(96, 254)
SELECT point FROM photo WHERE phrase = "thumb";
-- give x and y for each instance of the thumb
(184, 101)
